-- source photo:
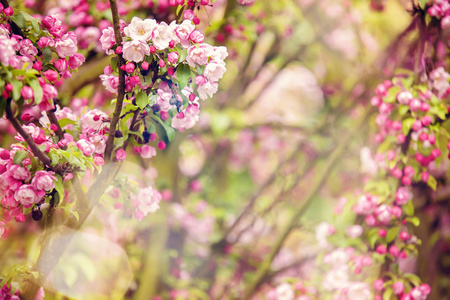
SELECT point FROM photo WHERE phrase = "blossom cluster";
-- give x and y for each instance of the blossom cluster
(441, 10)
(411, 141)
(170, 59)
(27, 52)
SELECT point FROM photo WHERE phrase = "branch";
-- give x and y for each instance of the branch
(52, 117)
(120, 88)
(34, 148)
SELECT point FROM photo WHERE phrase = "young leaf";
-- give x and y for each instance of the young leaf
(47, 52)
(19, 157)
(141, 100)
(183, 74)
(38, 94)
(33, 21)
(19, 20)
(392, 234)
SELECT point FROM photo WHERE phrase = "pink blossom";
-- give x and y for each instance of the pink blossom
(135, 50)
(196, 37)
(207, 89)
(110, 82)
(161, 36)
(27, 93)
(214, 71)
(172, 57)
(147, 151)
(27, 48)
(121, 155)
(107, 39)
(140, 30)
(148, 200)
(26, 195)
(354, 231)
(6, 49)
(398, 287)
(384, 213)
(86, 147)
(403, 195)
(76, 60)
(198, 55)
(19, 173)
(66, 45)
(43, 180)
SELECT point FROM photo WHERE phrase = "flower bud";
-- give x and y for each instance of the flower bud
(27, 93)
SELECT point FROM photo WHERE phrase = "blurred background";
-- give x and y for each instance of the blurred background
(290, 129)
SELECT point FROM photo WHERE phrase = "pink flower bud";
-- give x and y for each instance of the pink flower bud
(152, 49)
(393, 250)
(5, 154)
(37, 66)
(404, 236)
(200, 80)
(170, 71)
(397, 173)
(426, 120)
(27, 93)
(172, 57)
(129, 67)
(375, 100)
(417, 125)
(61, 65)
(204, 2)
(425, 107)
(164, 116)
(161, 145)
(196, 20)
(76, 60)
(406, 180)
(396, 211)
(436, 152)
(51, 75)
(382, 232)
(145, 66)
(119, 50)
(398, 287)
(409, 171)
(196, 37)
(20, 218)
(381, 249)
(415, 104)
(161, 63)
(153, 136)
(401, 138)
(188, 14)
(98, 161)
(423, 137)
(192, 97)
(396, 125)
(378, 284)
(425, 176)
(53, 127)
(121, 155)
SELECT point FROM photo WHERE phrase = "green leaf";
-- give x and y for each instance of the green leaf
(33, 21)
(19, 20)
(413, 278)
(408, 209)
(17, 87)
(37, 89)
(64, 122)
(141, 99)
(47, 52)
(183, 74)
(392, 234)
(414, 220)
(432, 183)
(423, 3)
(387, 294)
(59, 186)
(170, 132)
(402, 110)
(19, 157)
